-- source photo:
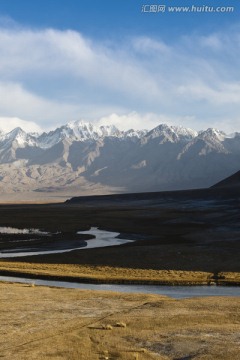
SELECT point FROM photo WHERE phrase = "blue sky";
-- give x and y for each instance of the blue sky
(108, 62)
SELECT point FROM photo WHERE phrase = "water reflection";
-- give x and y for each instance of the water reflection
(101, 239)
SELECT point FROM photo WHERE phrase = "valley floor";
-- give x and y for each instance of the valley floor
(190, 237)
(186, 239)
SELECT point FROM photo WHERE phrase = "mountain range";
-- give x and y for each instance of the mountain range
(81, 158)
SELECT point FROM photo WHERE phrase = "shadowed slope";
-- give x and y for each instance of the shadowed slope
(231, 181)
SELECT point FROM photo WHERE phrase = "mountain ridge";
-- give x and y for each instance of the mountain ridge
(83, 157)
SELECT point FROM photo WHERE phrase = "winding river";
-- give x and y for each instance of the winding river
(104, 238)
(101, 239)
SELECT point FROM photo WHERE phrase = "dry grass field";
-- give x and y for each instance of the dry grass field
(40, 323)
(119, 275)
(105, 274)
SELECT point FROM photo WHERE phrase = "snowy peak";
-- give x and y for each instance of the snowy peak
(77, 131)
(167, 157)
(19, 137)
(11, 142)
(207, 141)
(110, 130)
(212, 134)
(135, 133)
(81, 130)
(213, 140)
(85, 131)
(172, 134)
(184, 133)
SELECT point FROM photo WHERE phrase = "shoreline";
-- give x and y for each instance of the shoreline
(179, 278)
(178, 241)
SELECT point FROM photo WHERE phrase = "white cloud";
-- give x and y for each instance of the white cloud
(147, 121)
(132, 120)
(7, 124)
(50, 77)
(228, 93)
(56, 54)
(15, 101)
(144, 44)
(212, 42)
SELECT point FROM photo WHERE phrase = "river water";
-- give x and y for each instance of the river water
(177, 292)
(104, 238)
(101, 239)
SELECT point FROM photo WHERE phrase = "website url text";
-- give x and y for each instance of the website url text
(186, 9)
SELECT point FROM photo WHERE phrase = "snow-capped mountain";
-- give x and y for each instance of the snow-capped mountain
(12, 141)
(173, 134)
(19, 137)
(80, 156)
(83, 131)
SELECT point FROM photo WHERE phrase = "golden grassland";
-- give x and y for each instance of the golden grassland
(52, 323)
(107, 274)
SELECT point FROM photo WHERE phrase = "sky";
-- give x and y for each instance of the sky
(119, 62)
